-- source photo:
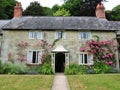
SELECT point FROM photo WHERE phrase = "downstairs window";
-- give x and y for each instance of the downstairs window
(85, 59)
(34, 57)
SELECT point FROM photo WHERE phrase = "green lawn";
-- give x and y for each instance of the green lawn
(26, 82)
(94, 82)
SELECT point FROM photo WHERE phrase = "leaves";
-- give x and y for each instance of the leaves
(7, 8)
(34, 9)
(61, 12)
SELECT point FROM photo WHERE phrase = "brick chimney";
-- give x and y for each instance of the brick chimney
(100, 11)
(18, 10)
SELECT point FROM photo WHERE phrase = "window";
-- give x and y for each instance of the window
(60, 34)
(84, 35)
(85, 59)
(34, 57)
(35, 35)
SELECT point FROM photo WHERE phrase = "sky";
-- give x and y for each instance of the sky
(49, 3)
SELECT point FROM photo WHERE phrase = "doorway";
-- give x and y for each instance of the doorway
(59, 62)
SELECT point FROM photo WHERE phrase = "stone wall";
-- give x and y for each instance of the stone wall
(71, 43)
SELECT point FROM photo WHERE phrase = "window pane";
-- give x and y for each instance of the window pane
(35, 35)
(84, 35)
(30, 34)
(34, 57)
(85, 58)
(81, 59)
(29, 57)
(56, 35)
(59, 35)
(89, 58)
(40, 57)
(39, 35)
(37, 56)
(63, 35)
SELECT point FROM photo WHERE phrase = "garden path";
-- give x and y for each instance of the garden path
(60, 82)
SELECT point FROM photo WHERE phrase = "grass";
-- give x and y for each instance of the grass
(94, 82)
(26, 82)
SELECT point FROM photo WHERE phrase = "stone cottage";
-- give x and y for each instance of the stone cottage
(73, 31)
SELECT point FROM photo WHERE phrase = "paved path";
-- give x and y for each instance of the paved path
(60, 82)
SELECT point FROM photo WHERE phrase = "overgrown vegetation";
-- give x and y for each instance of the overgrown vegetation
(46, 69)
(13, 68)
(72, 69)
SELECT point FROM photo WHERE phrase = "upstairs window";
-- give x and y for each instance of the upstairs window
(34, 57)
(60, 35)
(84, 35)
(35, 35)
(85, 59)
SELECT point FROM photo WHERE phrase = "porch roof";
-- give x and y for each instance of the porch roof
(60, 48)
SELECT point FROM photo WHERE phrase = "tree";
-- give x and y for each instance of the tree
(81, 7)
(7, 9)
(34, 9)
(89, 7)
(73, 6)
(55, 8)
(61, 12)
(48, 11)
(115, 13)
(108, 15)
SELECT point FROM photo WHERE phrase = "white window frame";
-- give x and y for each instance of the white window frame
(89, 59)
(60, 35)
(30, 57)
(86, 33)
(37, 36)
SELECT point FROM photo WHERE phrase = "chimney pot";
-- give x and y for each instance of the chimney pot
(100, 11)
(18, 10)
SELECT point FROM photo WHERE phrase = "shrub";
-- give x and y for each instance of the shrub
(1, 65)
(14, 68)
(34, 69)
(101, 68)
(46, 68)
(73, 69)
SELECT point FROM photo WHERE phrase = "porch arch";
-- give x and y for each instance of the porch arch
(60, 58)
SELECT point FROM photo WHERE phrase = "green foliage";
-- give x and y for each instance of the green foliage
(48, 11)
(13, 68)
(7, 8)
(46, 69)
(1, 65)
(55, 8)
(54, 42)
(97, 38)
(73, 6)
(72, 69)
(101, 67)
(62, 12)
(81, 7)
(34, 69)
(90, 6)
(34, 9)
(115, 13)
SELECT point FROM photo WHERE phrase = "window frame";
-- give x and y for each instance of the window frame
(30, 58)
(60, 35)
(82, 33)
(33, 36)
(89, 59)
